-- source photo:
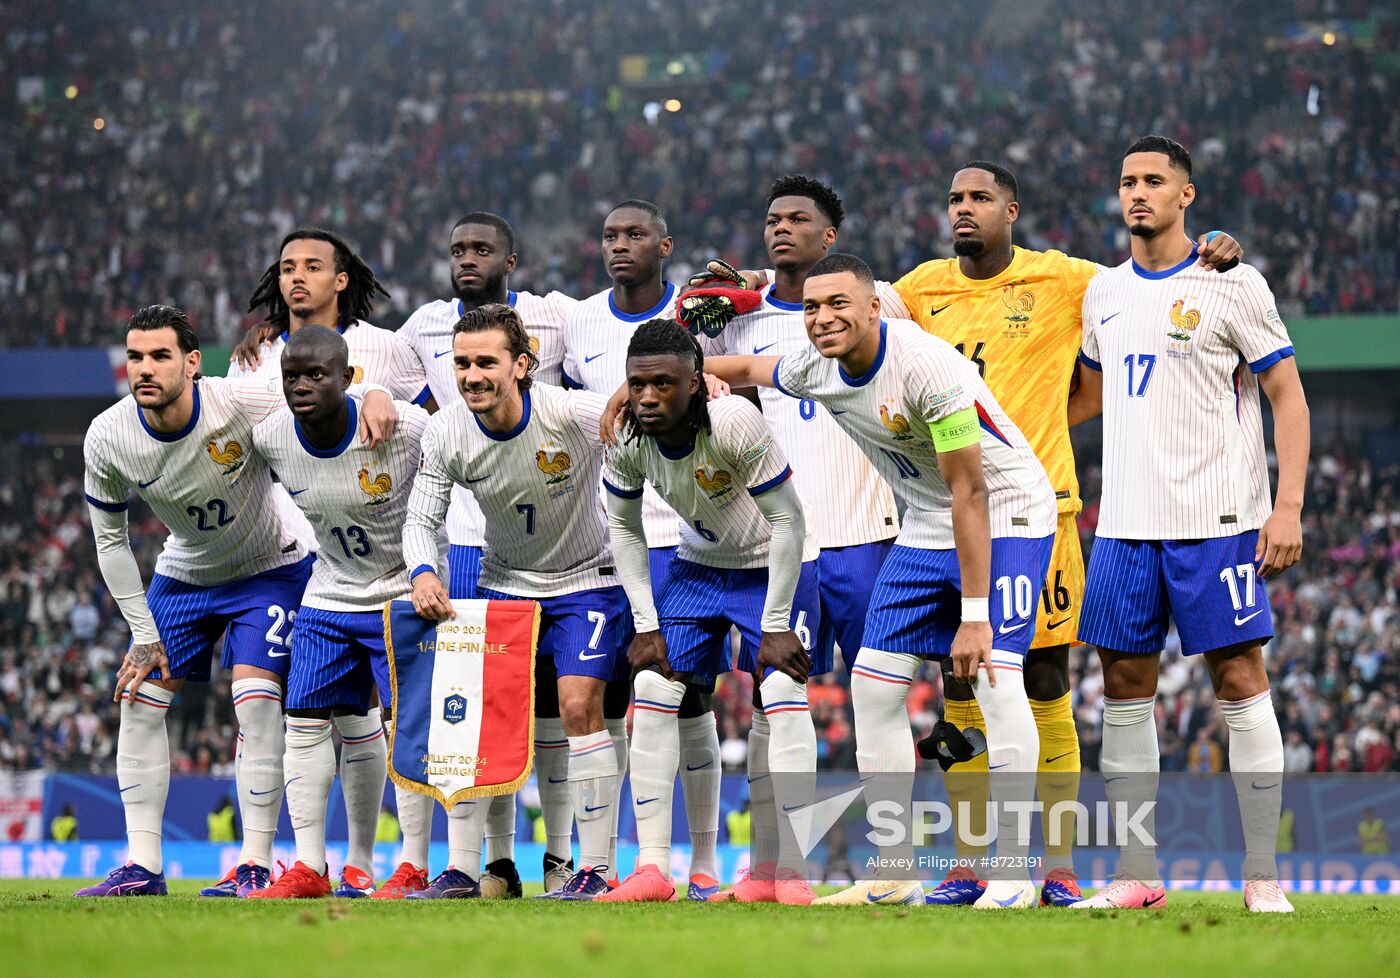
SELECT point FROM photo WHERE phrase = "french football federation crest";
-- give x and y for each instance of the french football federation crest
(1184, 321)
(896, 423)
(716, 483)
(454, 708)
(230, 457)
(378, 489)
(1019, 302)
(554, 464)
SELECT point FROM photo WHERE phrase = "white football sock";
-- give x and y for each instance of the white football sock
(1130, 763)
(880, 684)
(364, 767)
(415, 824)
(552, 776)
(617, 730)
(143, 771)
(466, 826)
(593, 790)
(656, 754)
(763, 823)
(262, 741)
(500, 828)
(310, 768)
(792, 760)
(700, 777)
(1256, 765)
(1013, 745)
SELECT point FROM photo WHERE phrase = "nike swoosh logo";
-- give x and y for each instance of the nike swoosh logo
(290, 780)
(997, 767)
(259, 794)
(590, 658)
(595, 357)
(143, 485)
(482, 479)
(594, 808)
(1240, 621)
(935, 312)
(1007, 902)
(1157, 899)
(558, 780)
(1057, 624)
(1262, 787)
(700, 768)
(130, 887)
(1120, 777)
(874, 897)
(276, 655)
(442, 354)
(834, 413)
(296, 492)
(759, 349)
(1052, 760)
(1003, 630)
(128, 788)
(790, 808)
(357, 760)
(1107, 318)
(646, 801)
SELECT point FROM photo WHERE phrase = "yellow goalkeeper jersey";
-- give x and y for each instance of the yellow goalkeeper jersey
(1022, 329)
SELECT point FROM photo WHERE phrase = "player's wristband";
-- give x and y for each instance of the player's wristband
(975, 609)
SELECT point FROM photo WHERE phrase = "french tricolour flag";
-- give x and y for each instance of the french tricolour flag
(463, 698)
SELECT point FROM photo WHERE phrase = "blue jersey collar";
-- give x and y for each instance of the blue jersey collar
(869, 374)
(351, 427)
(176, 436)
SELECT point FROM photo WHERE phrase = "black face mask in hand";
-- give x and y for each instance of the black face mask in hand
(948, 745)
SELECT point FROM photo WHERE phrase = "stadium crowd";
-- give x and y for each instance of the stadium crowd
(1334, 665)
(154, 150)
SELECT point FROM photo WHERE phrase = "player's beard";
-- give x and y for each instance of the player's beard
(168, 395)
(490, 290)
(1141, 230)
(968, 247)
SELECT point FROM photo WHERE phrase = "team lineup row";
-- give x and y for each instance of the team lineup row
(788, 529)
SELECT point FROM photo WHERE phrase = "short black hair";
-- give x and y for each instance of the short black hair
(1175, 152)
(320, 342)
(356, 300)
(492, 220)
(666, 337)
(498, 315)
(821, 194)
(166, 317)
(1001, 176)
(648, 207)
(840, 261)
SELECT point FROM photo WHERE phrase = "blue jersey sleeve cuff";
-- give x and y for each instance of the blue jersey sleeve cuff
(569, 381)
(778, 384)
(772, 483)
(109, 507)
(423, 396)
(422, 569)
(1264, 363)
(1092, 364)
(623, 493)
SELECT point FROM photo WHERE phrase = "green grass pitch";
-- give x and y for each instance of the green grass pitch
(45, 932)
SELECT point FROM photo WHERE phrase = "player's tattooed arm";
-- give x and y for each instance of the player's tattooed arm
(972, 538)
(140, 662)
(1217, 250)
(430, 598)
(1281, 537)
(616, 411)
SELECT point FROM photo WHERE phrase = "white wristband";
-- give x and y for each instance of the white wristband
(975, 609)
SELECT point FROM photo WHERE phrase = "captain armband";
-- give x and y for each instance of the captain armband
(957, 430)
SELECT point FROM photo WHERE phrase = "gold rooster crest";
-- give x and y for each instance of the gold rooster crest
(716, 485)
(378, 489)
(1183, 323)
(553, 464)
(897, 424)
(358, 375)
(230, 456)
(535, 345)
(1019, 301)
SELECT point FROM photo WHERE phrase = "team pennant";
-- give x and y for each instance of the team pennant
(464, 698)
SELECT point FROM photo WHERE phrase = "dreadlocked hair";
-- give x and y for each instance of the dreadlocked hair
(666, 337)
(356, 300)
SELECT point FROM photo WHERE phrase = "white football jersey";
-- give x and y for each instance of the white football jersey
(916, 380)
(538, 486)
(845, 500)
(1183, 440)
(429, 332)
(377, 355)
(204, 483)
(712, 485)
(355, 498)
(596, 336)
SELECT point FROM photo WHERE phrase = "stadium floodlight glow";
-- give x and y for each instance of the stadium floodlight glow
(675, 68)
(99, 123)
(1329, 39)
(673, 105)
(71, 91)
